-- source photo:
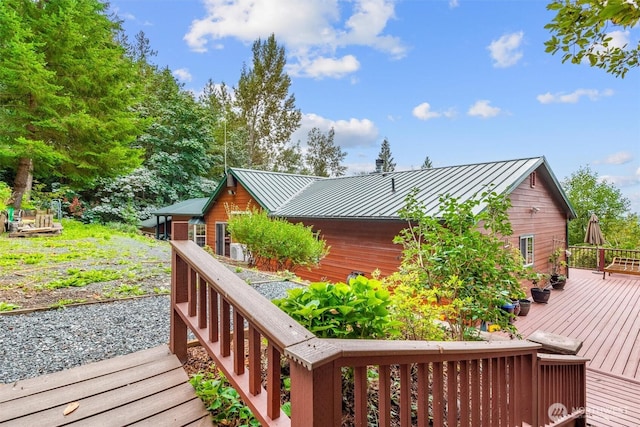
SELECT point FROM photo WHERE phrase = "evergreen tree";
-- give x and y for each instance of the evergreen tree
(323, 156)
(267, 110)
(67, 92)
(427, 163)
(385, 154)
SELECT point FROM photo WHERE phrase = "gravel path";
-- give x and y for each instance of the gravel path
(49, 341)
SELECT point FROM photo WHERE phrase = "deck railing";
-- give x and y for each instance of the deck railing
(591, 257)
(494, 383)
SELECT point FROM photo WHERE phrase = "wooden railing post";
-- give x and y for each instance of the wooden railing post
(315, 396)
(316, 384)
(179, 293)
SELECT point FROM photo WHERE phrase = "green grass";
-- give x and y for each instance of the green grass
(5, 306)
(81, 255)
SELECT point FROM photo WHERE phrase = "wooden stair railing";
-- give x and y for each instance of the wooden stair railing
(492, 383)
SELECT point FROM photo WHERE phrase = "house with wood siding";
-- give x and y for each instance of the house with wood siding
(358, 215)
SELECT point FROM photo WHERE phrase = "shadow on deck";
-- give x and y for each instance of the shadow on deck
(148, 387)
(605, 316)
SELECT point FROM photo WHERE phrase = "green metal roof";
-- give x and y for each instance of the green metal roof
(382, 195)
(193, 207)
(270, 189)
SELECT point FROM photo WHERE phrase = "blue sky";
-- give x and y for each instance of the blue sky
(460, 81)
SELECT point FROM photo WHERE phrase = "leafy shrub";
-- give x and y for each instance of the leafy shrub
(416, 308)
(222, 400)
(469, 269)
(275, 243)
(357, 310)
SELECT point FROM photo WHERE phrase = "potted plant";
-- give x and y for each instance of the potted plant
(557, 265)
(559, 281)
(540, 291)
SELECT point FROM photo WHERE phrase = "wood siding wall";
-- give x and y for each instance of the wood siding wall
(548, 225)
(368, 245)
(355, 246)
(237, 196)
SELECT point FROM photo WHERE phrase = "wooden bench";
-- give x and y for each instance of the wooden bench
(623, 265)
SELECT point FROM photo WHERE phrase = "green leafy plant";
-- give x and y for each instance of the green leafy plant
(461, 255)
(6, 306)
(416, 308)
(124, 291)
(79, 278)
(64, 302)
(276, 244)
(222, 400)
(357, 310)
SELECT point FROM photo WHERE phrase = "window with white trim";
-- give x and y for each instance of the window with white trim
(198, 233)
(526, 249)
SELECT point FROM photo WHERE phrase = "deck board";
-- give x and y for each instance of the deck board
(605, 316)
(148, 387)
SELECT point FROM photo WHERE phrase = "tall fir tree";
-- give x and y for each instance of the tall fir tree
(68, 89)
(427, 164)
(388, 164)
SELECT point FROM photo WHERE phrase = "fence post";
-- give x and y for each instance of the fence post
(601, 259)
(179, 294)
(316, 395)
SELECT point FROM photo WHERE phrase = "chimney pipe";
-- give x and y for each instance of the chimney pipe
(379, 163)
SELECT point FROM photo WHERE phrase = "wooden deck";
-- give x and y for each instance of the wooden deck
(149, 387)
(605, 316)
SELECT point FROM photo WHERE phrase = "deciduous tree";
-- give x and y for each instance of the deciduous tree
(588, 194)
(323, 157)
(582, 30)
(266, 108)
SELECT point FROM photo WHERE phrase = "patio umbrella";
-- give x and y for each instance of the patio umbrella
(594, 236)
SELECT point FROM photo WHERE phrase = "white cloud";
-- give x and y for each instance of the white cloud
(348, 133)
(325, 67)
(621, 180)
(454, 3)
(183, 74)
(619, 158)
(483, 109)
(424, 112)
(573, 97)
(311, 30)
(505, 51)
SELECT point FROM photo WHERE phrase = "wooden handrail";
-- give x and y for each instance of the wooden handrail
(457, 383)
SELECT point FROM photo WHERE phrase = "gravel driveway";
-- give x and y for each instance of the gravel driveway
(40, 342)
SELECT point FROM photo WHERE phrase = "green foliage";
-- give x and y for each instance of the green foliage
(78, 278)
(65, 302)
(222, 400)
(581, 30)
(266, 111)
(323, 157)
(416, 308)
(588, 194)
(462, 257)
(70, 92)
(124, 291)
(357, 310)
(388, 165)
(5, 195)
(6, 306)
(276, 243)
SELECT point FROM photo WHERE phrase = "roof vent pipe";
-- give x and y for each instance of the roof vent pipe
(379, 163)
(393, 185)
